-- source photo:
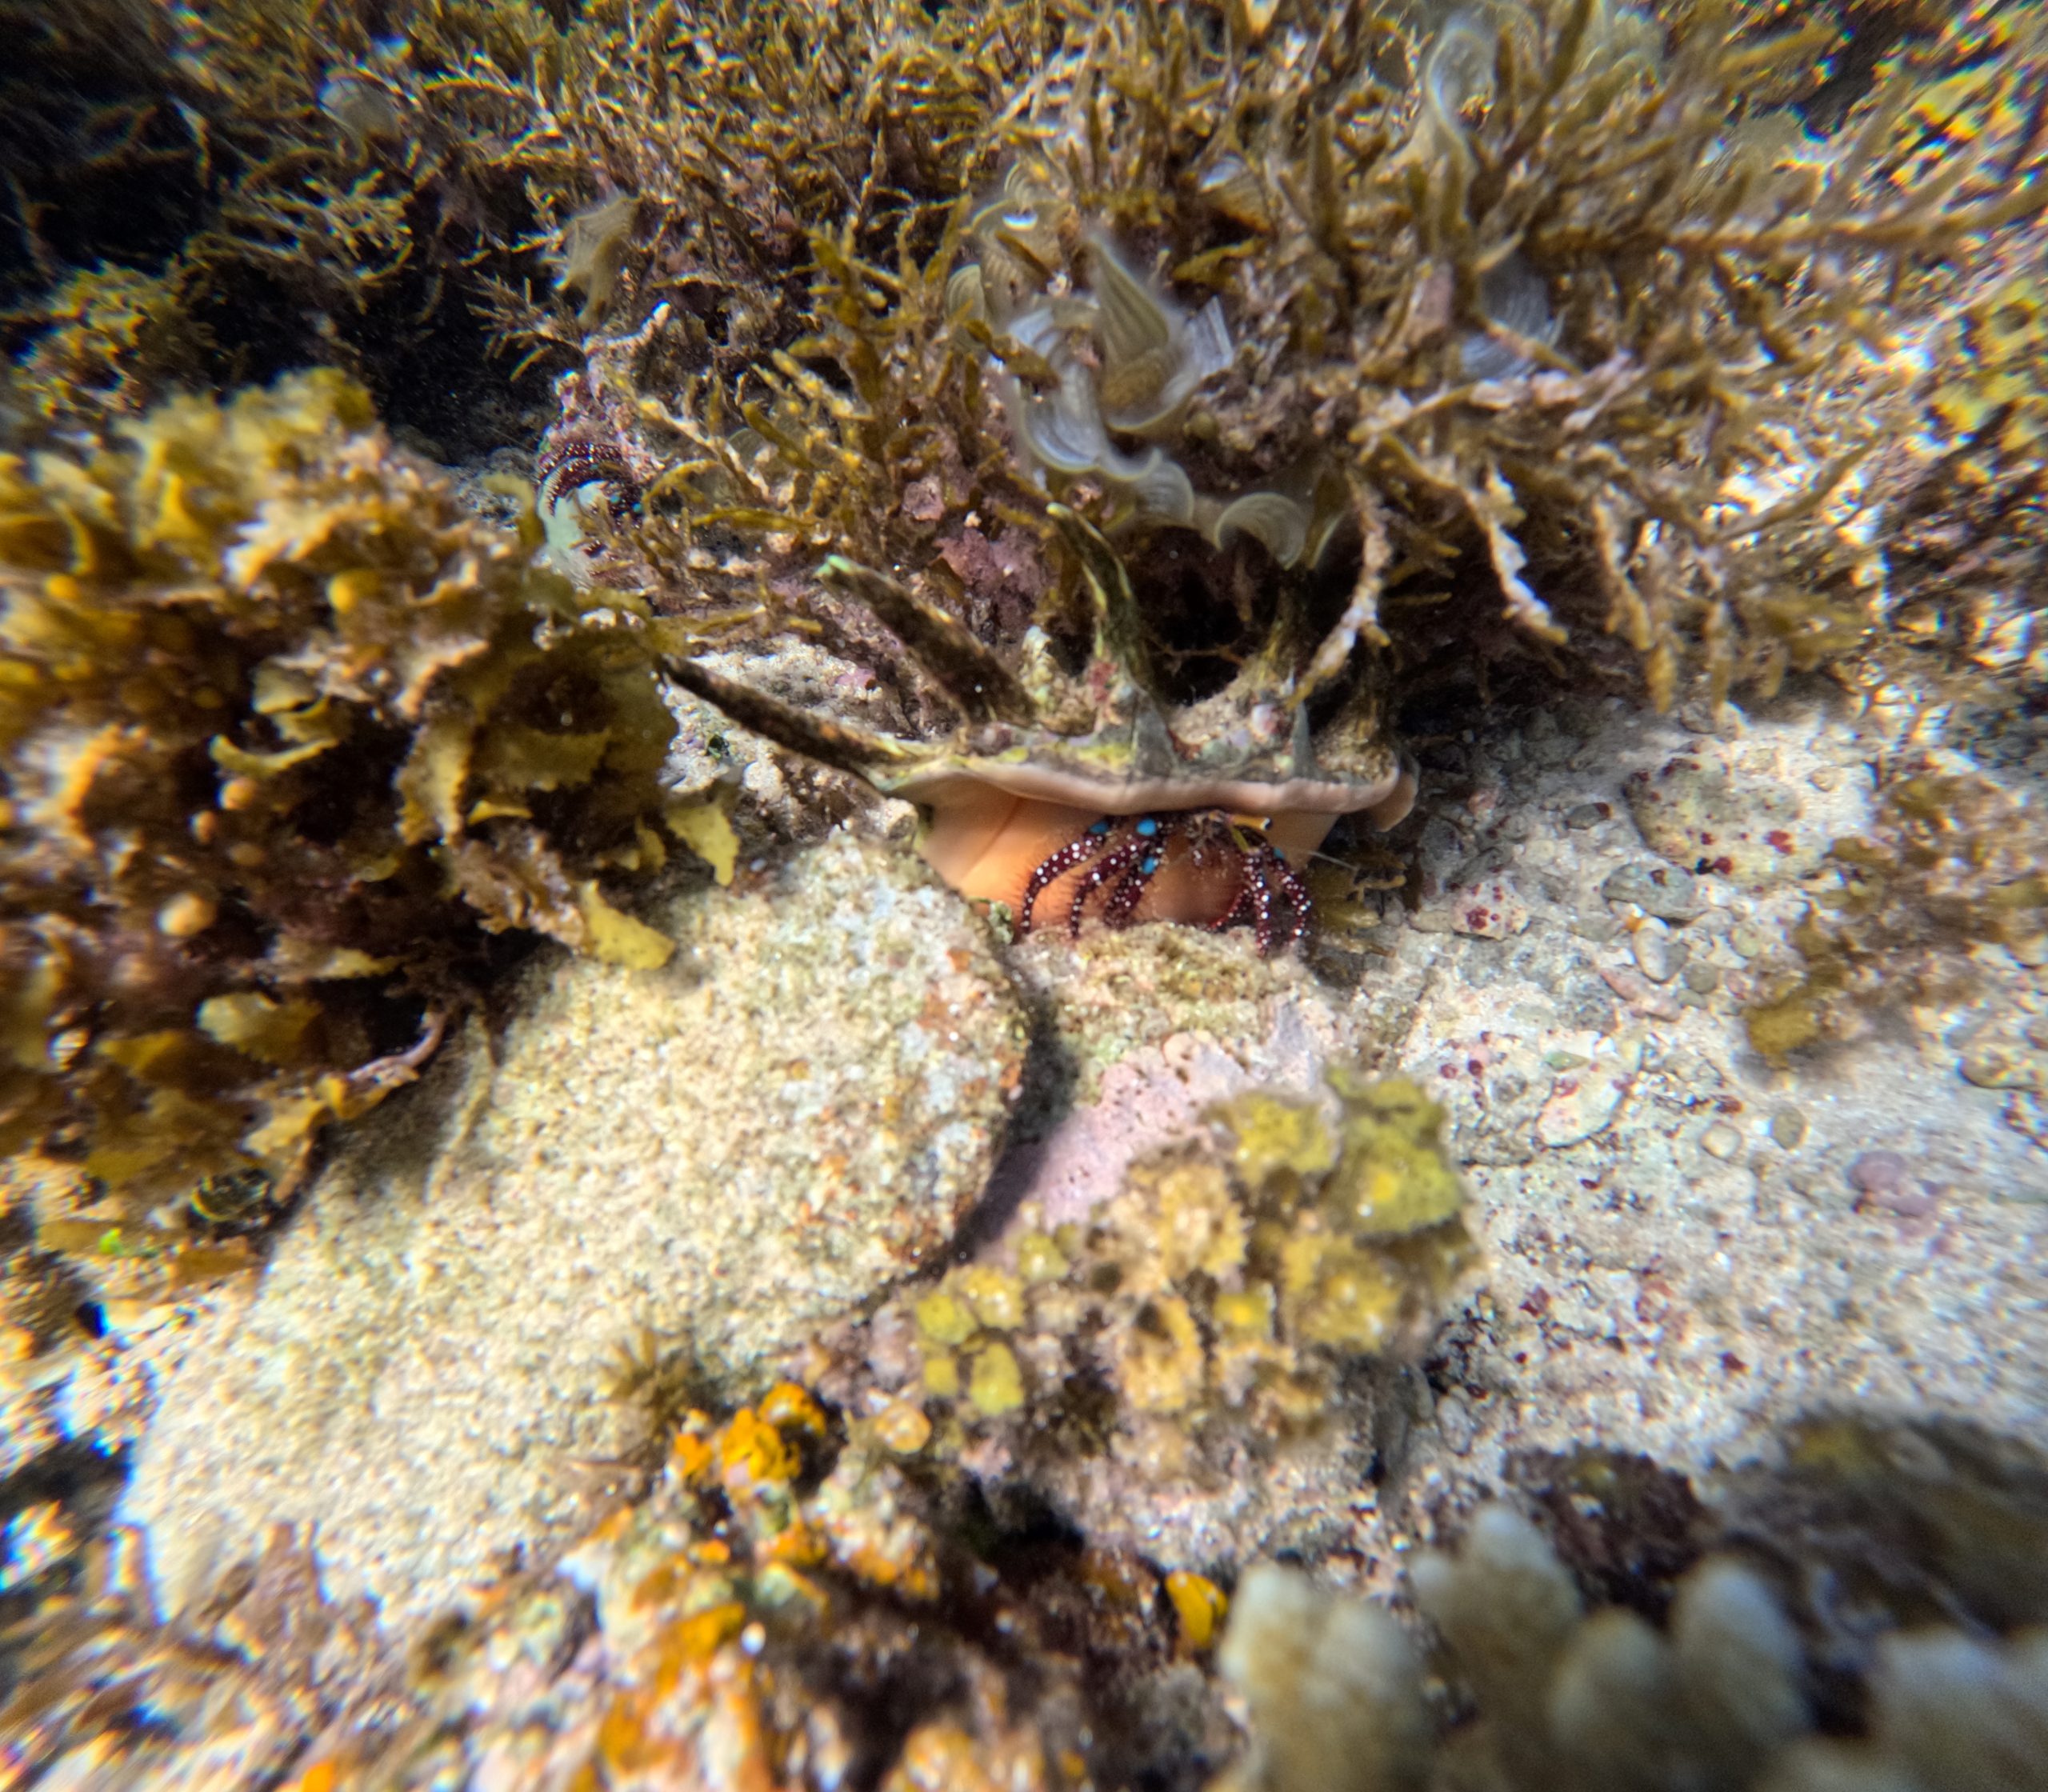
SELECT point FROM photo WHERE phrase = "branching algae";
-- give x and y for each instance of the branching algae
(1263, 380)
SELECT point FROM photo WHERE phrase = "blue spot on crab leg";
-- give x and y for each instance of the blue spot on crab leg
(1111, 868)
(1125, 897)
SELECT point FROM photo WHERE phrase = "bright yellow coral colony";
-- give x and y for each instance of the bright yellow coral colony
(288, 734)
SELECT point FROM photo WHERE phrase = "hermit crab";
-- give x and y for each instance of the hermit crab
(1088, 792)
(1102, 782)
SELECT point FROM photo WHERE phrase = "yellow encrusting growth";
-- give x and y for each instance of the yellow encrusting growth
(1951, 864)
(1233, 1275)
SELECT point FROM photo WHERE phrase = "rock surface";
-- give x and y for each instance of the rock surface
(1678, 1255)
(730, 1151)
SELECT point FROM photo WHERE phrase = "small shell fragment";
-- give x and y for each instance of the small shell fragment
(1720, 1141)
(1587, 1101)
(1199, 1604)
(903, 1428)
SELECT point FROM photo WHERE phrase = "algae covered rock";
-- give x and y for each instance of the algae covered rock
(1206, 1367)
(730, 1151)
(286, 735)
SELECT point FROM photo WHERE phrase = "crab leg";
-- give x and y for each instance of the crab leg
(1260, 893)
(1125, 897)
(1268, 860)
(1110, 869)
(1056, 867)
(1148, 834)
(1223, 923)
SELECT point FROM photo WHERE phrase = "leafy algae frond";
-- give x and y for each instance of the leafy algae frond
(287, 733)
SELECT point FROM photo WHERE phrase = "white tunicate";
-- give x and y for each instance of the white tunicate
(1514, 295)
(1277, 523)
(1505, 1604)
(1740, 1659)
(1611, 1703)
(1964, 1716)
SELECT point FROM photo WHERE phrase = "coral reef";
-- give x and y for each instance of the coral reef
(771, 1614)
(804, 1597)
(1232, 1276)
(1558, 335)
(289, 735)
(1140, 437)
(1280, 367)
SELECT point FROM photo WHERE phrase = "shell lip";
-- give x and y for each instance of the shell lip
(1137, 796)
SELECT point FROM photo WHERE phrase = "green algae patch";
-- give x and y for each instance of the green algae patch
(1271, 1136)
(1392, 1178)
(1226, 1286)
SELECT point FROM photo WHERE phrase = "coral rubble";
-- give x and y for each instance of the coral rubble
(787, 1603)
(804, 1597)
